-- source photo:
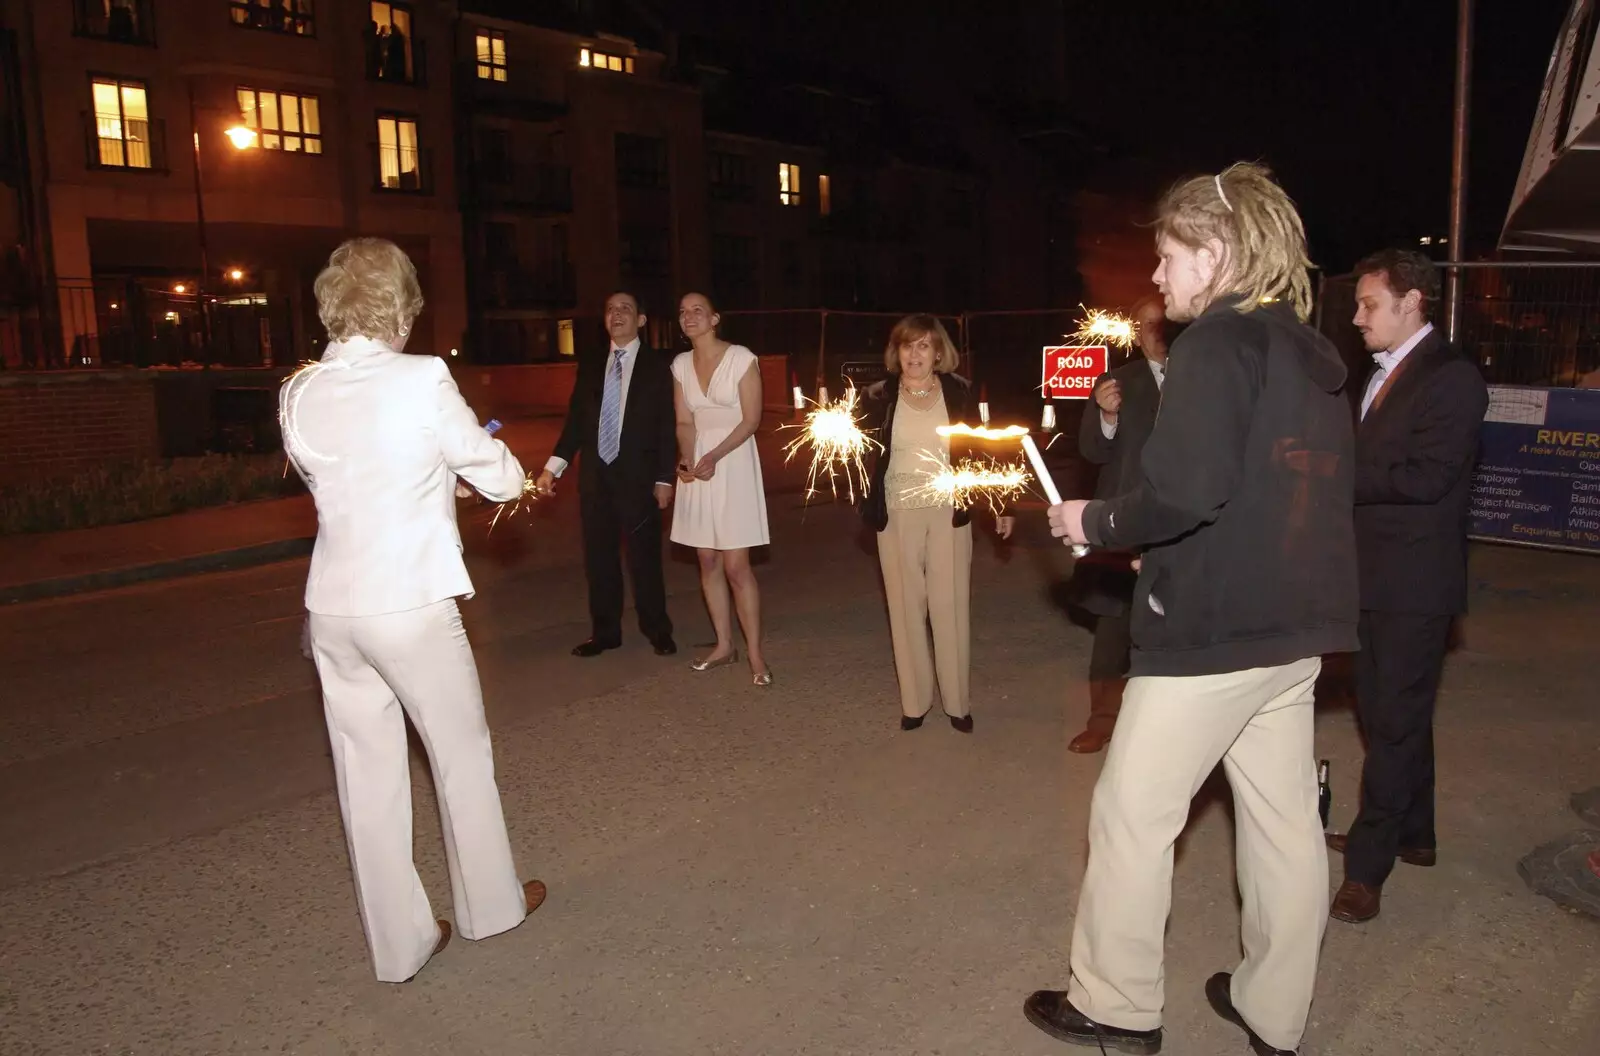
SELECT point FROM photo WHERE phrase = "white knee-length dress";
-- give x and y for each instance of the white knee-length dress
(729, 511)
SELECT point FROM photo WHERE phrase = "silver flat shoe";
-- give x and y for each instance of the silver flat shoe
(707, 665)
(763, 679)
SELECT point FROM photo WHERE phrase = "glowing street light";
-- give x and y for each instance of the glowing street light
(180, 288)
(235, 274)
(241, 137)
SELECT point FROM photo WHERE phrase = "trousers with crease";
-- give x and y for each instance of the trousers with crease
(377, 671)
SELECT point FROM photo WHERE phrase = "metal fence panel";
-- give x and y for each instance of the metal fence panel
(1523, 323)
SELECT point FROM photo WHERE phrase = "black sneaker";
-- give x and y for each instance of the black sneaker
(1219, 991)
(1051, 1012)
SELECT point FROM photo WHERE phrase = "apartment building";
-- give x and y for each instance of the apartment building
(180, 169)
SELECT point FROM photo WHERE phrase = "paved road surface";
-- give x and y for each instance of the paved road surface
(731, 870)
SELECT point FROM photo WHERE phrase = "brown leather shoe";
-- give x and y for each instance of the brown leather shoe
(1355, 903)
(444, 940)
(1088, 742)
(533, 893)
(1426, 857)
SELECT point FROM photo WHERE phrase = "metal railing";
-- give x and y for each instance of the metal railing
(294, 17)
(120, 21)
(1523, 322)
(402, 170)
(113, 142)
(397, 60)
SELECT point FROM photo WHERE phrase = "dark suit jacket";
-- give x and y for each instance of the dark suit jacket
(1103, 581)
(1119, 456)
(1414, 456)
(648, 453)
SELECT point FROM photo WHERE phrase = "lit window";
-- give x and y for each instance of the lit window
(788, 183)
(122, 124)
(491, 55)
(602, 61)
(399, 166)
(390, 54)
(824, 196)
(564, 343)
(280, 16)
(284, 121)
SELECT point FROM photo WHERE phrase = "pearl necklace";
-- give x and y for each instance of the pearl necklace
(918, 393)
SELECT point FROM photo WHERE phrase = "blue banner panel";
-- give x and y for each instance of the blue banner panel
(1538, 475)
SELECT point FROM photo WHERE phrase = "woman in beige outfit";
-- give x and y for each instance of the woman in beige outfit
(924, 542)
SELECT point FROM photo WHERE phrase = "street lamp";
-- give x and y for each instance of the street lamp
(241, 138)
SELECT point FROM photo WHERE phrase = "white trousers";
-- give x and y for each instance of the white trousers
(375, 671)
(1170, 736)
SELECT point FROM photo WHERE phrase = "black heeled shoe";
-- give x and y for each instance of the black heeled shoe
(910, 722)
(962, 723)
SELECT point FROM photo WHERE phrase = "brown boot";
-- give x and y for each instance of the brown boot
(1105, 700)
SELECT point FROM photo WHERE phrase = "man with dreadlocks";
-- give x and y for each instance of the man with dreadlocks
(1244, 517)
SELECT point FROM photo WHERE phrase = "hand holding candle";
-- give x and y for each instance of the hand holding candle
(1042, 472)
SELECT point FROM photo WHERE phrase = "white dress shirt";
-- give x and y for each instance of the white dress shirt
(630, 355)
(1387, 362)
(1159, 372)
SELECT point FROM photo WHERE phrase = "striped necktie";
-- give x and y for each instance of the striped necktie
(611, 411)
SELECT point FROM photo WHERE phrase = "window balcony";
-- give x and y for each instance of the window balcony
(112, 143)
(401, 170)
(397, 60)
(120, 21)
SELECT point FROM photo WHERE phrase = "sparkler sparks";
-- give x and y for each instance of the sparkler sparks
(838, 445)
(512, 507)
(997, 483)
(1105, 328)
(983, 432)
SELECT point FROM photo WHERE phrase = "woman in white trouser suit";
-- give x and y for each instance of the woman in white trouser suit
(381, 439)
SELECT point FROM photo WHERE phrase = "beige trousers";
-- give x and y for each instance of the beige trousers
(376, 671)
(1170, 736)
(927, 576)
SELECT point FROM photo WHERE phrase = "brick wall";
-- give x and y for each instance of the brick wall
(55, 424)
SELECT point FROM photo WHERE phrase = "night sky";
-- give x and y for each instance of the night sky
(1350, 101)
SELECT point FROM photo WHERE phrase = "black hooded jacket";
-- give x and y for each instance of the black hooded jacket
(1244, 506)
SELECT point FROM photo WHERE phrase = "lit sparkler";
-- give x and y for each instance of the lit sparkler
(983, 432)
(1105, 328)
(838, 444)
(997, 483)
(511, 507)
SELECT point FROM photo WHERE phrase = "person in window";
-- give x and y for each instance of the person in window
(924, 542)
(382, 440)
(397, 57)
(721, 506)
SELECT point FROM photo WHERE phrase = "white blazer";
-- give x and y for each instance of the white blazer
(380, 438)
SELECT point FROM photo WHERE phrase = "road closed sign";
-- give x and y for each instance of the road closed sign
(1070, 370)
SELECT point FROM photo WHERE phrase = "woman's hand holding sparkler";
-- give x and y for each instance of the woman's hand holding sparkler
(1004, 525)
(1066, 522)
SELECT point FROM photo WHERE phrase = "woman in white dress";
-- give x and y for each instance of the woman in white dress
(721, 507)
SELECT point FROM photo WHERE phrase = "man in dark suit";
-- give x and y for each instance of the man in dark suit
(1112, 435)
(1415, 447)
(621, 417)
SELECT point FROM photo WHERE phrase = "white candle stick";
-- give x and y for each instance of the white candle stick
(1042, 472)
(1047, 421)
(822, 395)
(799, 399)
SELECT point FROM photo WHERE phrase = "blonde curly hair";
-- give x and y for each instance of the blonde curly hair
(369, 289)
(1264, 241)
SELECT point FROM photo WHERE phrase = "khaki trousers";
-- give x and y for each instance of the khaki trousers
(927, 577)
(1170, 736)
(376, 671)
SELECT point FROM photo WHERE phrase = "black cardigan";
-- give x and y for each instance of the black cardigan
(879, 403)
